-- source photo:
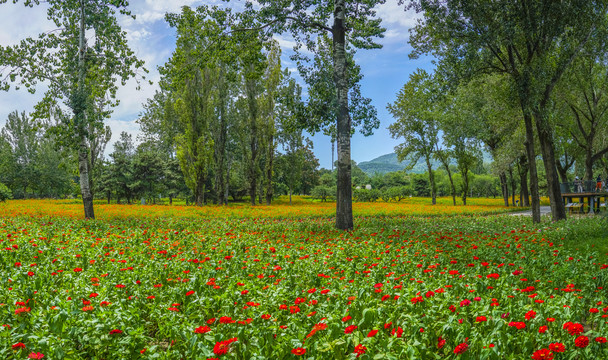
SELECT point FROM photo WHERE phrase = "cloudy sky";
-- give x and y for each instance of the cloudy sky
(385, 70)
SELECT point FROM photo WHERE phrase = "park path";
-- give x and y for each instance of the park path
(544, 210)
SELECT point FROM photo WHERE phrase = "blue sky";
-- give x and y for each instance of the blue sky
(385, 70)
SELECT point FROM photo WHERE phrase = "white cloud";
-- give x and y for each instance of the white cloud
(395, 15)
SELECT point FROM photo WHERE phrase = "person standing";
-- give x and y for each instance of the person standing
(578, 185)
(598, 183)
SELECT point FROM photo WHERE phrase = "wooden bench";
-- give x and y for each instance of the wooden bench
(574, 207)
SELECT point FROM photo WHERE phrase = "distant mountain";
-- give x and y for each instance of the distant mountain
(389, 163)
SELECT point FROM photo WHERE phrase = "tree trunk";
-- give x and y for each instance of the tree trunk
(85, 189)
(227, 185)
(344, 205)
(198, 192)
(109, 197)
(588, 163)
(563, 173)
(545, 136)
(253, 139)
(269, 164)
(79, 108)
(289, 196)
(170, 199)
(523, 181)
(530, 151)
(465, 186)
(431, 180)
(503, 186)
(513, 186)
(220, 140)
(446, 165)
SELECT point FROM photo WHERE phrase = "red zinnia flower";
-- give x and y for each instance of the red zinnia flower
(202, 329)
(115, 331)
(298, 351)
(22, 310)
(223, 347)
(575, 329)
(542, 354)
(581, 341)
(372, 333)
(18, 345)
(398, 332)
(530, 315)
(557, 347)
(440, 342)
(190, 293)
(461, 348)
(36, 355)
(360, 350)
(600, 339)
(481, 319)
(350, 329)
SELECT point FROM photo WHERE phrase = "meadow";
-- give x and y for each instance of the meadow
(411, 281)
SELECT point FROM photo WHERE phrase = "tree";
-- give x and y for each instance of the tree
(415, 112)
(148, 172)
(122, 167)
(306, 20)
(584, 91)
(22, 135)
(75, 72)
(533, 41)
(444, 155)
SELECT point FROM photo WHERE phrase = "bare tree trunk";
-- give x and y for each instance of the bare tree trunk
(503, 186)
(79, 115)
(545, 136)
(344, 205)
(588, 163)
(227, 187)
(523, 181)
(221, 136)
(269, 164)
(432, 180)
(465, 185)
(253, 139)
(529, 143)
(513, 186)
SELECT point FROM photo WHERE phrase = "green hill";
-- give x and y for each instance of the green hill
(389, 163)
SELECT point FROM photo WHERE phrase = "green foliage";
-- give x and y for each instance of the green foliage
(323, 192)
(5, 193)
(365, 195)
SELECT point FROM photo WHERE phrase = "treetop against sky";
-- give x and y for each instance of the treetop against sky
(153, 41)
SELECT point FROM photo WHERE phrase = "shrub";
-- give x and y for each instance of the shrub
(5, 193)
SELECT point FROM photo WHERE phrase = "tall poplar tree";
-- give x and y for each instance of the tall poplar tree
(351, 24)
(75, 71)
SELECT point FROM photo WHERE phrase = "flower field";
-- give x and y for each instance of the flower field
(201, 286)
(302, 207)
